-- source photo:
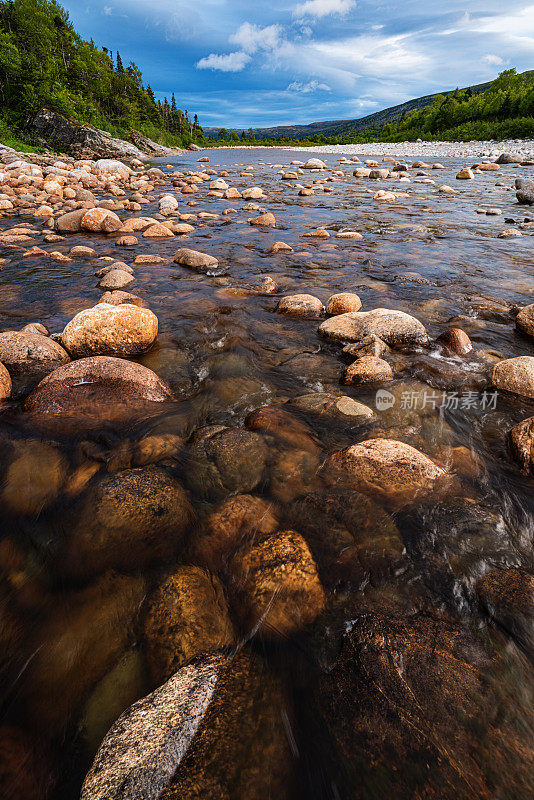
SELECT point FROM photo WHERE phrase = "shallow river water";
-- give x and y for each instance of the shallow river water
(73, 631)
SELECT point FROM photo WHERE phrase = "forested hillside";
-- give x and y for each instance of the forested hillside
(44, 62)
(504, 110)
(501, 109)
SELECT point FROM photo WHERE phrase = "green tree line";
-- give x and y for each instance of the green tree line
(504, 111)
(44, 62)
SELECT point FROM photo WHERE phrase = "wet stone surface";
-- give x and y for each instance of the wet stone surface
(275, 490)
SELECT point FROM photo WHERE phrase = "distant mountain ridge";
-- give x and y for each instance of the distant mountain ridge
(337, 127)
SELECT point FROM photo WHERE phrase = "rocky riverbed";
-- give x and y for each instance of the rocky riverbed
(266, 456)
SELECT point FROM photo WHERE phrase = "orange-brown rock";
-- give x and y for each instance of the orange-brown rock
(266, 220)
(278, 586)
(367, 369)
(5, 383)
(232, 523)
(186, 617)
(343, 303)
(456, 341)
(300, 305)
(112, 330)
(391, 471)
(97, 388)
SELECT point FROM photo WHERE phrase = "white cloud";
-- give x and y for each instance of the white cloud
(322, 8)
(252, 38)
(491, 58)
(107, 10)
(306, 88)
(231, 62)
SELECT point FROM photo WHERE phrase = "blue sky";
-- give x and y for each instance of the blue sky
(238, 64)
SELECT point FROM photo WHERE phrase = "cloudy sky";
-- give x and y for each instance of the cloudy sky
(238, 63)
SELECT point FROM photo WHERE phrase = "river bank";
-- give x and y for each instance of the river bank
(266, 475)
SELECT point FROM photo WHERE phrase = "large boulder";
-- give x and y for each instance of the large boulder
(100, 220)
(192, 738)
(111, 165)
(81, 141)
(278, 586)
(111, 330)
(515, 375)
(29, 357)
(97, 388)
(509, 158)
(187, 616)
(225, 460)
(419, 707)
(127, 520)
(395, 328)
(393, 472)
(314, 163)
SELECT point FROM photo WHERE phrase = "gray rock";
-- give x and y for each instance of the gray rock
(525, 191)
(144, 748)
(395, 328)
(192, 737)
(81, 141)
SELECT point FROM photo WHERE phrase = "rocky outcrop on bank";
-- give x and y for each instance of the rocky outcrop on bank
(84, 141)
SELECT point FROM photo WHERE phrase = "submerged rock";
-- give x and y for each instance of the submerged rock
(392, 471)
(128, 520)
(225, 460)
(97, 388)
(395, 328)
(508, 597)
(235, 522)
(191, 738)
(419, 707)
(83, 637)
(111, 330)
(187, 616)
(453, 542)
(332, 405)
(34, 477)
(279, 589)
(350, 536)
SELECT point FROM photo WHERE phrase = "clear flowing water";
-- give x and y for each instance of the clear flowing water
(225, 352)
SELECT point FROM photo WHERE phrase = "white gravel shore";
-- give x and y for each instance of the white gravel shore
(523, 147)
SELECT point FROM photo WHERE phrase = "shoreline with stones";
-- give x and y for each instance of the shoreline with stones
(219, 545)
(474, 149)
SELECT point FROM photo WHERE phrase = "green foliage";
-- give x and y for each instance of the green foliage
(45, 63)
